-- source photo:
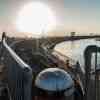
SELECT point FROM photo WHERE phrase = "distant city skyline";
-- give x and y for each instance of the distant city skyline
(72, 15)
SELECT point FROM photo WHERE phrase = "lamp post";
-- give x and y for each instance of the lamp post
(38, 40)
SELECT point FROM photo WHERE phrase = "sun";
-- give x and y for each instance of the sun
(34, 18)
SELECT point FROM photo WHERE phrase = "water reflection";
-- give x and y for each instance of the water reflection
(75, 50)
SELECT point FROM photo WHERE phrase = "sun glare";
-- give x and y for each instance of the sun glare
(34, 18)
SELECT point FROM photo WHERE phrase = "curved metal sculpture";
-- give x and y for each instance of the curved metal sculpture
(55, 80)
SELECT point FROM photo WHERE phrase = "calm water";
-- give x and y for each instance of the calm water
(75, 50)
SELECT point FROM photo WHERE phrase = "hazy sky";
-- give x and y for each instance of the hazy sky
(71, 15)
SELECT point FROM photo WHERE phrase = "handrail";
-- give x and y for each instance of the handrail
(14, 55)
(64, 56)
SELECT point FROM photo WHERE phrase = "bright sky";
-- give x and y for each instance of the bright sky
(71, 15)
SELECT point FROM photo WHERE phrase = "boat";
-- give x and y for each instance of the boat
(22, 72)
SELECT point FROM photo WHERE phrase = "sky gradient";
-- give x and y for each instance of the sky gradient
(71, 15)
